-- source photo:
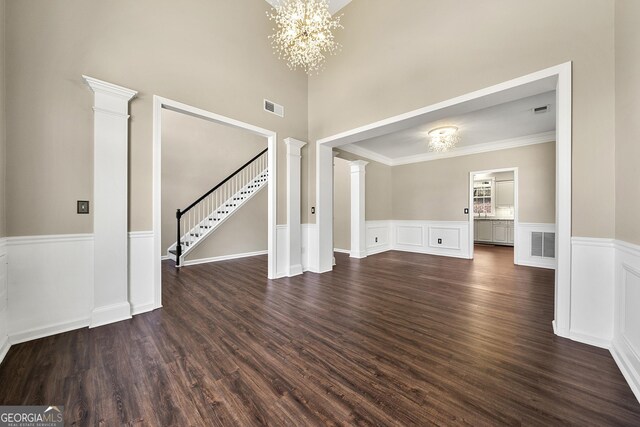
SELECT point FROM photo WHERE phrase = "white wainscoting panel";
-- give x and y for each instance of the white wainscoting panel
(378, 236)
(282, 257)
(4, 306)
(625, 347)
(592, 276)
(409, 235)
(422, 237)
(50, 284)
(310, 247)
(141, 290)
(524, 245)
(444, 238)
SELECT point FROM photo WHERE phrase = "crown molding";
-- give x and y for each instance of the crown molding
(505, 144)
(366, 153)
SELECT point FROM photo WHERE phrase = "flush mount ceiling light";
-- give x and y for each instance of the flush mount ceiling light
(443, 138)
(303, 34)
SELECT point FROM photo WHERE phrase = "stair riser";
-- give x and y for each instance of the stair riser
(202, 230)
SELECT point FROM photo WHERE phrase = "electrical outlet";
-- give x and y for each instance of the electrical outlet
(313, 210)
(466, 211)
(439, 241)
(376, 240)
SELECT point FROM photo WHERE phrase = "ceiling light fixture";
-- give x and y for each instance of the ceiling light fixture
(303, 33)
(443, 138)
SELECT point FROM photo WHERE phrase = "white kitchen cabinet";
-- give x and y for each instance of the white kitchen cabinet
(485, 231)
(496, 231)
(500, 233)
(504, 194)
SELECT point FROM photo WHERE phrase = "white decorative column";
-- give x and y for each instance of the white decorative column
(333, 197)
(358, 227)
(294, 228)
(110, 172)
(324, 208)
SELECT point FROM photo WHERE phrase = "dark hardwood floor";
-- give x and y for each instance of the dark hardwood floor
(393, 339)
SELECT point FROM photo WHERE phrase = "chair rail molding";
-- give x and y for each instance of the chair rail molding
(110, 175)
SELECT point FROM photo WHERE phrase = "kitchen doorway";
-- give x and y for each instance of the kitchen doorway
(494, 208)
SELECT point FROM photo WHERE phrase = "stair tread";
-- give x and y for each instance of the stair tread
(235, 201)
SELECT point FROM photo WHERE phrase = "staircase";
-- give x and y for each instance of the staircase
(204, 216)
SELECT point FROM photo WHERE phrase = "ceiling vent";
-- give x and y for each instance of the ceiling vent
(273, 108)
(543, 109)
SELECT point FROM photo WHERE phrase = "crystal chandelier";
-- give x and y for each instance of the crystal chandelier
(443, 138)
(303, 33)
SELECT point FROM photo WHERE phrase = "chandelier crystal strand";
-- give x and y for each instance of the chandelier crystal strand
(303, 33)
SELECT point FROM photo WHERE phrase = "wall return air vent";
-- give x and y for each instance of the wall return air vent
(543, 244)
(273, 108)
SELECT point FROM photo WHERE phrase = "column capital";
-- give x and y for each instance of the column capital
(294, 145)
(99, 86)
(358, 166)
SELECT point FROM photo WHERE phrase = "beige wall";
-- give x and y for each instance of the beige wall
(197, 155)
(439, 190)
(377, 188)
(213, 54)
(627, 120)
(3, 145)
(342, 204)
(418, 52)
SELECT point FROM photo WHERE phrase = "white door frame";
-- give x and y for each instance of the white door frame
(561, 75)
(516, 208)
(158, 104)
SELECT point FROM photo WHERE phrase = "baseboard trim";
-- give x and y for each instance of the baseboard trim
(165, 258)
(590, 340)
(110, 314)
(4, 348)
(425, 252)
(295, 270)
(629, 374)
(58, 328)
(547, 265)
(142, 308)
(342, 251)
(378, 249)
(358, 255)
(223, 258)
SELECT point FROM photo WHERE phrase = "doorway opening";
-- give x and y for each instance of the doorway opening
(556, 79)
(493, 209)
(212, 206)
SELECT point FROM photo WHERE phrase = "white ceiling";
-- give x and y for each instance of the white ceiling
(500, 126)
(334, 5)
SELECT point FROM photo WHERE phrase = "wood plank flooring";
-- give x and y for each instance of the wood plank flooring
(393, 339)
